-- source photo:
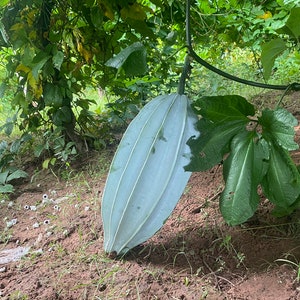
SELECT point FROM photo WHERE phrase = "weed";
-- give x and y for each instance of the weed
(5, 236)
(18, 295)
(293, 261)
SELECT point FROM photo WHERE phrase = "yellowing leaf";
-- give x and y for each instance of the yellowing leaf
(23, 68)
(35, 85)
(265, 16)
(87, 55)
(17, 26)
(32, 35)
(108, 11)
(134, 11)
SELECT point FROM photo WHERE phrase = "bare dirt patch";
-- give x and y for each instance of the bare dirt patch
(194, 256)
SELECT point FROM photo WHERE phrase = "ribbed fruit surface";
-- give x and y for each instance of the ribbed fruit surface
(147, 176)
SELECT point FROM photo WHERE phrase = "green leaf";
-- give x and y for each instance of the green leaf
(223, 118)
(3, 2)
(269, 53)
(278, 125)
(3, 176)
(209, 148)
(225, 108)
(3, 32)
(62, 116)
(281, 185)
(97, 16)
(52, 95)
(292, 26)
(38, 62)
(58, 59)
(9, 125)
(243, 171)
(6, 188)
(38, 150)
(132, 59)
(48, 161)
(16, 175)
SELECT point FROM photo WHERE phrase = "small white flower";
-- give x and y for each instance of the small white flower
(53, 192)
(87, 208)
(11, 223)
(36, 225)
(56, 207)
(39, 251)
(33, 207)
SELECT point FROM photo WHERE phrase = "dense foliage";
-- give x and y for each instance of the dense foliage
(129, 51)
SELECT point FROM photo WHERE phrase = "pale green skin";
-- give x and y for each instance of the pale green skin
(147, 176)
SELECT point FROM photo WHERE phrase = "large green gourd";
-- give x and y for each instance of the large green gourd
(147, 176)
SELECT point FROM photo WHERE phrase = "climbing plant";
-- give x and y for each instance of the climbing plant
(146, 180)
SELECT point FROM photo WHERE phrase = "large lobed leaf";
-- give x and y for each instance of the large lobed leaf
(223, 118)
(225, 108)
(209, 149)
(243, 171)
(147, 177)
(278, 125)
(281, 185)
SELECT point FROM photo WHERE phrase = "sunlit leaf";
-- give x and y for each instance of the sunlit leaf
(292, 27)
(269, 53)
(225, 108)
(4, 2)
(58, 59)
(134, 11)
(132, 59)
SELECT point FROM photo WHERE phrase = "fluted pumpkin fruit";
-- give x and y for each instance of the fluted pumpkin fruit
(147, 176)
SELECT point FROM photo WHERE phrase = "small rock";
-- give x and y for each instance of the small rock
(61, 199)
(3, 269)
(9, 255)
(11, 223)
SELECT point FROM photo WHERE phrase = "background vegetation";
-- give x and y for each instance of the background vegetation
(74, 73)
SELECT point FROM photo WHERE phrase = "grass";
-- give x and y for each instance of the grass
(293, 261)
